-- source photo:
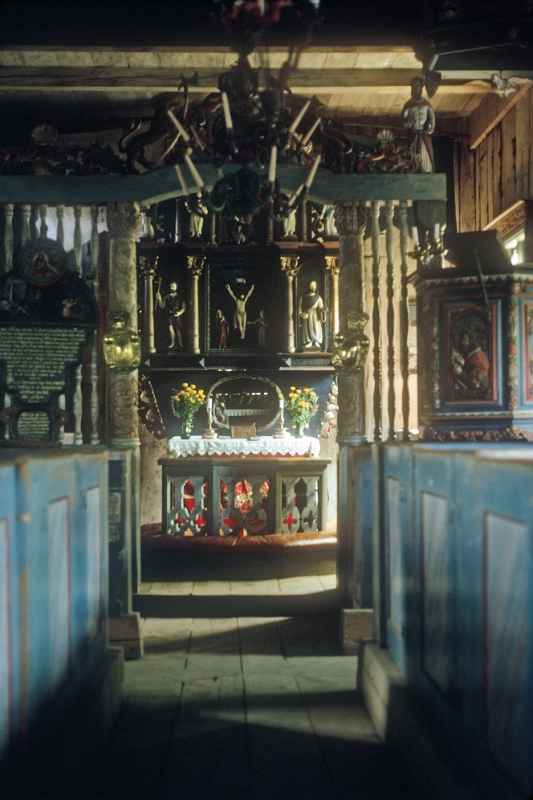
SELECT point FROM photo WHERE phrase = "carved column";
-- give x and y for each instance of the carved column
(25, 233)
(290, 265)
(148, 267)
(333, 267)
(196, 265)
(349, 356)
(60, 211)
(123, 220)
(350, 220)
(124, 225)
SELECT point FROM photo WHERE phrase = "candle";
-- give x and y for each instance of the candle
(296, 195)
(273, 164)
(197, 178)
(209, 408)
(310, 132)
(436, 232)
(281, 403)
(179, 127)
(181, 180)
(312, 172)
(227, 112)
(299, 117)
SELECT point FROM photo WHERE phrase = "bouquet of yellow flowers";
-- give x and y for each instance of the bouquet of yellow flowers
(301, 406)
(185, 403)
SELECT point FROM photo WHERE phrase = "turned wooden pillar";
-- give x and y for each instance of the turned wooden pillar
(290, 265)
(196, 265)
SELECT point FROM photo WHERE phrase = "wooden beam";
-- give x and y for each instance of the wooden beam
(163, 184)
(491, 112)
(304, 81)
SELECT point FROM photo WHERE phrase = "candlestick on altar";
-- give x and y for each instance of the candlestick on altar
(209, 432)
(282, 431)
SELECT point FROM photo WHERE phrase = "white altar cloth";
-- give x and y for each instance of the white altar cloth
(261, 446)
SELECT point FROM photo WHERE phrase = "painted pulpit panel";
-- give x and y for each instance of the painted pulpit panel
(469, 363)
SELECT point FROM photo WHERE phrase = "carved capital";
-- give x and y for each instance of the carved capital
(350, 350)
(148, 265)
(332, 265)
(350, 219)
(290, 265)
(124, 220)
(196, 265)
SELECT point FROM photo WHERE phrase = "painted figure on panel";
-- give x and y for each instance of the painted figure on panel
(223, 329)
(175, 308)
(239, 315)
(470, 363)
(418, 116)
(312, 314)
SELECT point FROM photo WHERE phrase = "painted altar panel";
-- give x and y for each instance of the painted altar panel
(508, 586)
(245, 502)
(300, 503)
(187, 501)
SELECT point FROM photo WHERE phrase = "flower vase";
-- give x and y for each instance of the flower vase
(300, 429)
(186, 425)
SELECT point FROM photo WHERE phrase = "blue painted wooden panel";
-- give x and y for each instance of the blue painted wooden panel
(8, 607)
(53, 580)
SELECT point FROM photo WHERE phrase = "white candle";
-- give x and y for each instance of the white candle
(179, 127)
(436, 232)
(281, 403)
(227, 112)
(296, 195)
(181, 180)
(273, 164)
(310, 132)
(209, 408)
(299, 117)
(312, 172)
(197, 178)
(196, 138)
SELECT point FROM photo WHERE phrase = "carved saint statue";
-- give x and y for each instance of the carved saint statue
(223, 329)
(198, 212)
(312, 313)
(175, 308)
(418, 116)
(289, 224)
(239, 315)
(262, 326)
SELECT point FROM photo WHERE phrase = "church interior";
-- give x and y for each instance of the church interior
(266, 399)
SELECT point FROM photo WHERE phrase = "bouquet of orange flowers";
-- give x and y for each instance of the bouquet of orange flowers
(301, 406)
(185, 403)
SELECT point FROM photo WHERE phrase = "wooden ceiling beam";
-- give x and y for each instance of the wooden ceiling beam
(304, 81)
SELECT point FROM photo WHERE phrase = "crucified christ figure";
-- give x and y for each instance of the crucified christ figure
(239, 315)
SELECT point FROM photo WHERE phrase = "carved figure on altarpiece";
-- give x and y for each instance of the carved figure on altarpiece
(312, 314)
(239, 314)
(175, 307)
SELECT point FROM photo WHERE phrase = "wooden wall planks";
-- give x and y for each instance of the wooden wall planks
(499, 171)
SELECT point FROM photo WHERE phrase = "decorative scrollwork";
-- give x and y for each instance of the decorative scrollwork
(350, 350)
